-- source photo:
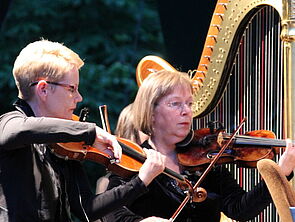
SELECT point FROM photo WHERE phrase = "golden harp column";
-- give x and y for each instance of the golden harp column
(288, 37)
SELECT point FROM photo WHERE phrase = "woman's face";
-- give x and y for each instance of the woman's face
(63, 100)
(172, 116)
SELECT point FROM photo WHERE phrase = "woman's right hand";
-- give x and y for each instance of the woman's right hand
(154, 219)
(107, 143)
(152, 167)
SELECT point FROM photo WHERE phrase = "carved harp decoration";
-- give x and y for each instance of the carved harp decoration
(150, 64)
(226, 29)
(229, 20)
(256, 81)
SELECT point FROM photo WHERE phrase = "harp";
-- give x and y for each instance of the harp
(247, 70)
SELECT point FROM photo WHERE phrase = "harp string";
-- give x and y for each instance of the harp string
(255, 91)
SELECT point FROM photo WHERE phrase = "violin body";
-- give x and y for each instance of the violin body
(127, 167)
(131, 161)
(206, 144)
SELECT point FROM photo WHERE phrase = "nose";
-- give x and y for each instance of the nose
(79, 97)
(186, 109)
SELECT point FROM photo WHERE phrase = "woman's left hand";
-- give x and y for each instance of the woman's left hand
(287, 160)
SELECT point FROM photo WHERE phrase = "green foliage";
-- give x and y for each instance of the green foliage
(110, 35)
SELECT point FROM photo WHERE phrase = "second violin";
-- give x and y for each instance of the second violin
(245, 150)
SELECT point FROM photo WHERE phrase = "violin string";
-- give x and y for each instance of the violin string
(262, 141)
(248, 140)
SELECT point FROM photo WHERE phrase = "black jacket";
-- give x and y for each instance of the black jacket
(35, 185)
(164, 197)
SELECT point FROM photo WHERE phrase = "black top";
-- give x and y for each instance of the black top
(35, 185)
(164, 197)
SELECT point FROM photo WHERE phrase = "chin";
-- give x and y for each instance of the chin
(186, 131)
(182, 133)
(68, 116)
(181, 137)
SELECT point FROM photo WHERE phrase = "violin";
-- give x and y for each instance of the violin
(132, 159)
(245, 150)
(208, 168)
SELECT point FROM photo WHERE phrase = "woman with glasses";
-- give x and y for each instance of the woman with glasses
(35, 184)
(162, 110)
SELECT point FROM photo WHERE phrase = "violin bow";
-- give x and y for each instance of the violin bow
(215, 159)
(103, 110)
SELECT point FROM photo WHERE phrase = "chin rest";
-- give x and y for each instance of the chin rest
(281, 191)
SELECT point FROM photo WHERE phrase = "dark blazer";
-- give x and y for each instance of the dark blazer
(36, 185)
(164, 197)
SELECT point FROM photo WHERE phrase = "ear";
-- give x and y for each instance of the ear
(153, 117)
(42, 89)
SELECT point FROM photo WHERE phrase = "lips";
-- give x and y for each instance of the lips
(184, 123)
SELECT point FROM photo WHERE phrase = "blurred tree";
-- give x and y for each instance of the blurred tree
(4, 6)
(110, 35)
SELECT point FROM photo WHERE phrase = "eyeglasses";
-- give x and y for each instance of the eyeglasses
(71, 88)
(179, 105)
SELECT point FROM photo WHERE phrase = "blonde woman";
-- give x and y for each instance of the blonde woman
(35, 184)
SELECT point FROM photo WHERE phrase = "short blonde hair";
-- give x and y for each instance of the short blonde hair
(154, 87)
(43, 60)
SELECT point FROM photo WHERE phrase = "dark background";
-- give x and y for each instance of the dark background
(111, 36)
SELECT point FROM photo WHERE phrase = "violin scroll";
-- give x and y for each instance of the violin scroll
(199, 195)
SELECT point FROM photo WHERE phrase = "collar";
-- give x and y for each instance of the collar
(22, 106)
